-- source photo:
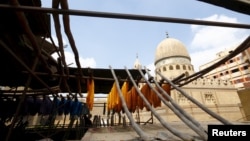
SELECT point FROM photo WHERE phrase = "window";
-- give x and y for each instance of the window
(164, 69)
(235, 70)
(177, 67)
(184, 67)
(226, 73)
(171, 67)
(245, 67)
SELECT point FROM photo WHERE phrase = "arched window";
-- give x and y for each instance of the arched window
(164, 69)
(171, 67)
(189, 68)
(184, 67)
(177, 67)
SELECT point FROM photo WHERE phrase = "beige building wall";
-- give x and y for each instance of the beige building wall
(244, 96)
(235, 70)
(222, 99)
(217, 100)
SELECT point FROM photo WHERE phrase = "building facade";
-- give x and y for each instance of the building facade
(236, 70)
(172, 59)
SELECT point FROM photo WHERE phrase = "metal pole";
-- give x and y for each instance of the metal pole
(122, 16)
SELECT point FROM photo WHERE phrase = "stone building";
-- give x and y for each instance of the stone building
(172, 59)
(236, 70)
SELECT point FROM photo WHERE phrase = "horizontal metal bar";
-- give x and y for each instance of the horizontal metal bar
(122, 16)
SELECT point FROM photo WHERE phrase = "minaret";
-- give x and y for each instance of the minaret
(137, 64)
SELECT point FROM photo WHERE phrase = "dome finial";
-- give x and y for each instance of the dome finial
(167, 35)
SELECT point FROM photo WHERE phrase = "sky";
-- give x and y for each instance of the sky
(104, 42)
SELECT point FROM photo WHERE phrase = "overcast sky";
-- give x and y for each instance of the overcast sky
(102, 42)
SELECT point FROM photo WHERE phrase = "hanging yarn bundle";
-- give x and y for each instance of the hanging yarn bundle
(113, 99)
(90, 93)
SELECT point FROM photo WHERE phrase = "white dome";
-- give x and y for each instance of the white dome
(170, 47)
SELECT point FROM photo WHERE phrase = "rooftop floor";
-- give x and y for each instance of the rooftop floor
(127, 133)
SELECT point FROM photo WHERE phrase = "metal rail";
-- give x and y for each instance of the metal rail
(122, 16)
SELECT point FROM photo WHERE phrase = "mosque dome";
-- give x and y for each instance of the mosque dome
(172, 59)
(170, 47)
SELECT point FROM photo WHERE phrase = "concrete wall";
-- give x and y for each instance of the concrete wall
(244, 96)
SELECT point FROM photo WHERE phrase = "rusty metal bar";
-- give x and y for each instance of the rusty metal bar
(84, 76)
(123, 16)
